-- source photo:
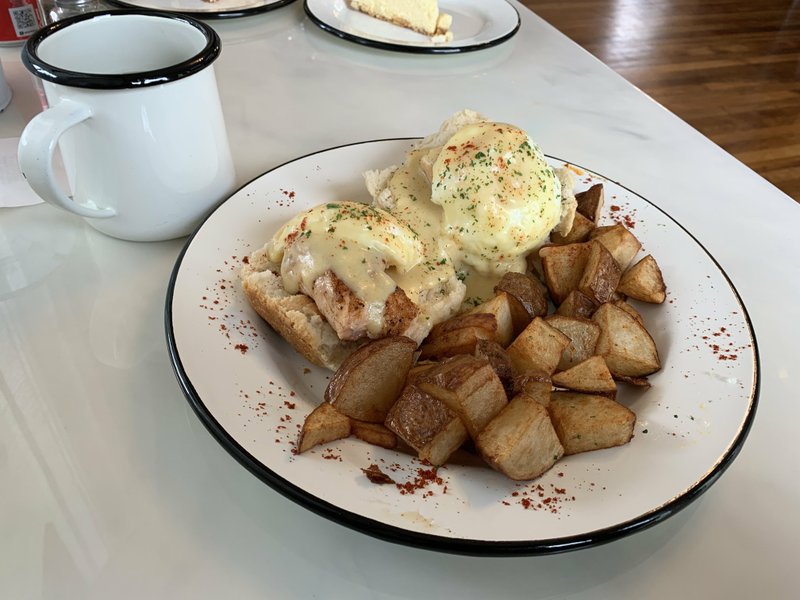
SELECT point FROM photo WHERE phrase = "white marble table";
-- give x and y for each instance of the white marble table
(111, 488)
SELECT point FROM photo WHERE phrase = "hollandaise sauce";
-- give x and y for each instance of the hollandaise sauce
(484, 201)
(500, 198)
(411, 192)
(356, 241)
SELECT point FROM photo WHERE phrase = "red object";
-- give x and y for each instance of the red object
(18, 20)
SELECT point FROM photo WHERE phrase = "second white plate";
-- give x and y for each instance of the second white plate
(477, 24)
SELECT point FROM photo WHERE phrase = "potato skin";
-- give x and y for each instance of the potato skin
(587, 422)
(520, 441)
(624, 343)
(417, 417)
(426, 424)
(368, 382)
(538, 349)
(324, 424)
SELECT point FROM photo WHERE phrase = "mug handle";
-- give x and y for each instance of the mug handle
(35, 154)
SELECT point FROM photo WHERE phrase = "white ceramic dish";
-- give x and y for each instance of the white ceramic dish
(219, 9)
(477, 24)
(252, 391)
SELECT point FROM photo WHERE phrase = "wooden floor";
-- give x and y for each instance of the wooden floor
(730, 68)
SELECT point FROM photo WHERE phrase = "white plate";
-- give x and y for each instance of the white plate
(252, 391)
(477, 24)
(208, 10)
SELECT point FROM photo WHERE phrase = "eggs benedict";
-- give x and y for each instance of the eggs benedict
(467, 205)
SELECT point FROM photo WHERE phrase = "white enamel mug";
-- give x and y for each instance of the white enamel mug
(135, 113)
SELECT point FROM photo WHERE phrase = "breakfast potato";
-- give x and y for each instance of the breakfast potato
(418, 369)
(600, 230)
(591, 375)
(520, 442)
(538, 349)
(527, 291)
(535, 268)
(498, 359)
(620, 242)
(577, 304)
(585, 422)
(376, 434)
(590, 202)
(563, 268)
(643, 281)
(581, 228)
(469, 387)
(510, 318)
(641, 382)
(537, 387)
(624, 343)
(626, 306)
(618, 296)
(600, 275)
(427, 425)
(583, 335)
(323, 424)
(444, 444)
(458, 335)
(368, 382)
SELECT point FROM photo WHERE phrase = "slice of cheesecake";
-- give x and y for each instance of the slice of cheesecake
(420, 15)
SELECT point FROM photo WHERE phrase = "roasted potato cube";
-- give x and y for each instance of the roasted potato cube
(591, 375)
(641, 382)
(323, 424)
(458, 335)
(376, 434)
(504, 314)
(618, 296)
(624, 305)
(600, 275)
(643, 281)
(535, 268)
(586, 422)
(577, 304)
(620, 242)
(520, 442)
(368, 381)
(529, 292)
(498, 358)
(445, 443)
(469, 387)
(582, 334)
(624, 343)
(427, 425)
(418, 369)
(537, 387)
(581, 228)
(600, 230)
(538, 349)
(590, 202)
(563, 267)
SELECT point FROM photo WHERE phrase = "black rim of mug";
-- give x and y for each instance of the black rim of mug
(118, 81)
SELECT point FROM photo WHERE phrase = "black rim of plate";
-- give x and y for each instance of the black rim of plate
(260, 7)
(382, 45)
(442, 543)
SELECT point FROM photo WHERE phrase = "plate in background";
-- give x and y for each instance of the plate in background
(221, 9)
(477, 24)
